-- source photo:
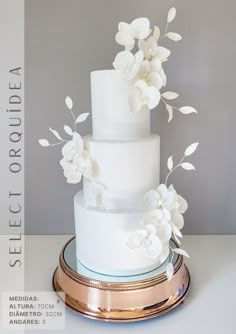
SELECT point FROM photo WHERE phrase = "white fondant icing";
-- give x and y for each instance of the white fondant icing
(101, 241)
(124, 171)
(111, 115)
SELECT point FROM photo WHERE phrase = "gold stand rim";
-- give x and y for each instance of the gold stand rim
(121, 302)
(155, 310)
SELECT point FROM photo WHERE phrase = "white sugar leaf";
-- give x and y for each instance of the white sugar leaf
(191, 149)
(177, 239)
(187, 110)
(170, 111)
(82, 117)
(69, 102)
(68, 130)
(181, 252)
(56, 134)
(156, 33)
(174, 36)
(170, 95)
(176, 231)
(44, 142)
(187, 166)
(170, 163)
(171, 14)
(169, 271)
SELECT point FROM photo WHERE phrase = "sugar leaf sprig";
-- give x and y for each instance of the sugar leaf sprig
(171, 96)
(185, 165)
(174, 36)
(68, 130)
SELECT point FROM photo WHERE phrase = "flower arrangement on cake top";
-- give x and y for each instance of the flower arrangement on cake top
(144, 69)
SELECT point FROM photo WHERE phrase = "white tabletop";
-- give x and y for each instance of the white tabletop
(209, 308)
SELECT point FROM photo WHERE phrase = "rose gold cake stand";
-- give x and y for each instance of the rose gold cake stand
(135, 298)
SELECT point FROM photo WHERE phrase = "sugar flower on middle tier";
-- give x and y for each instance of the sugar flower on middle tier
(76, 160)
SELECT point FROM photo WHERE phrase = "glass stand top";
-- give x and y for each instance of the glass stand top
(77, 267)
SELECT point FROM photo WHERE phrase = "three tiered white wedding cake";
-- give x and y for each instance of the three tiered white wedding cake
(126, 159)
(124, 217)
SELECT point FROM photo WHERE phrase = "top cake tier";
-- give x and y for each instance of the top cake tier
(111, 115)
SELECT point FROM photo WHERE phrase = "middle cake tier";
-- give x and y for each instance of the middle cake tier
(123, 172)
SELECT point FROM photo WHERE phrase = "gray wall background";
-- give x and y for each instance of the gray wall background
(67, 39)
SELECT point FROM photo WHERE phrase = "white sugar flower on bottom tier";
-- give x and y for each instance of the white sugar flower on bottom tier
(143, 95)
(177, 219)
(164, 219)
(152, 239)
(166, 205)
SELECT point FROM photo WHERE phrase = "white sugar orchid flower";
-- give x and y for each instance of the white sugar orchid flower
(155, 55)
(143, 95)
(157, 216)
(84, 162)
(181, 204)
(162, 197)
(76, 160)
(150, 72)
(72, 147)
(152, 51)
(166, 206)
(127, 33)
(81, 165)
(152, 238)
(177, 219)
(148, 239)
(72, 172)
(153, 246)
(160, 219)
(128, 64)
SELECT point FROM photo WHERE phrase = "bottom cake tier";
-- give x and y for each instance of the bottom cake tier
(101, 241)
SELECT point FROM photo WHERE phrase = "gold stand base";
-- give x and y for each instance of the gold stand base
(121, 301)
